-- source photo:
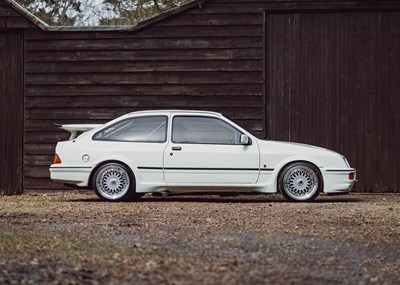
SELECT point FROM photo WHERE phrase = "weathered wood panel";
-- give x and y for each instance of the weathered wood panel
(82, 102)
(132, 44)
(11, 113)
(162, 32)
(247, 7)
(232, 89)
(333, 81)
(154, 78)
(144, 66)
(9, 18)
(148, 55)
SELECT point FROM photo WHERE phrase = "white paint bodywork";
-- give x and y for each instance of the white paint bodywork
(195, 167)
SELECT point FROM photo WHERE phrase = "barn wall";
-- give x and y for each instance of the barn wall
(213, 58)
(197, 60)
(334, 82)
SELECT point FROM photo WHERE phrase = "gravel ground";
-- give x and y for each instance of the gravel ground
(76, 239)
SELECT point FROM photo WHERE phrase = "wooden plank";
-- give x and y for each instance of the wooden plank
(37, 171)
(159, 78)
(143, 66)
(140, 101)
(46, 136)
(222, 19)
(87, 114)
(71, 90)
(40, 149)
(186, 31)
(134, 44)
(232, 8)
(38, 160)
(42, 184)
(61, 114)
(15, 22)
(150, 55)
(6, 11)
(257, 7)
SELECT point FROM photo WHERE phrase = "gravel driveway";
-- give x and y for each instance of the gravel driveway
(76, 239)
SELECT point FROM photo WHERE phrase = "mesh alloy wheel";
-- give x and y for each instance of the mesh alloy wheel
(113, 182)
(300, 182)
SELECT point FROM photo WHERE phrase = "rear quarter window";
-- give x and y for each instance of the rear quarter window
(152, 129)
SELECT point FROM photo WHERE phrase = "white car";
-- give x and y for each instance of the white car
(169, 151)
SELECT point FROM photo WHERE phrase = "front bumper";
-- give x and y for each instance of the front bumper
(337, 180)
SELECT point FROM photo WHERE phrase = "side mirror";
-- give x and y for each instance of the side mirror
(245, 140)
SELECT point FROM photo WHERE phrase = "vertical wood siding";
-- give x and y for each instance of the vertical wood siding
(11, 112)
(333, 81)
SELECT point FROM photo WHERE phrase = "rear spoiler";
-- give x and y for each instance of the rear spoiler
(78, 128)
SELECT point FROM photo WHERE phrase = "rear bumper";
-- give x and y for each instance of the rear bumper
(75, 175)
(337, 181)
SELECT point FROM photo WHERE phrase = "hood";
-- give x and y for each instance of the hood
(299, 148)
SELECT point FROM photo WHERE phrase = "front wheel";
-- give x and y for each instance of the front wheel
(300, 182)
(114, 182)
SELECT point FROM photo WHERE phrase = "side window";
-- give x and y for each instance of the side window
(142, 129)
(203, 130)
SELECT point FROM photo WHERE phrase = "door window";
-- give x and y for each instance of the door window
(203, 130)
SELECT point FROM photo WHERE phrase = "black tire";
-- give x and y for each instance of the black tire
(114, 182)
(300, 182)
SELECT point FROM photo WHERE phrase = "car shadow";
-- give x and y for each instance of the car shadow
(241, 199)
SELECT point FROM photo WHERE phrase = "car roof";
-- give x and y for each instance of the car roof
(176, 112)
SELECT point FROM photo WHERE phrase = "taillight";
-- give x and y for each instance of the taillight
(351, 176)
(56, 159)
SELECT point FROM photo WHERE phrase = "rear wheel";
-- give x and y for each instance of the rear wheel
(114, 182)
(300, 181)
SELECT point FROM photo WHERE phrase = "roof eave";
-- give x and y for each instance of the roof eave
(25, 13)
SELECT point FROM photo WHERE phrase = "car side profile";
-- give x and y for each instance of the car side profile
(178, 151)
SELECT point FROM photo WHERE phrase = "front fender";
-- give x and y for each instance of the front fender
(279, 165)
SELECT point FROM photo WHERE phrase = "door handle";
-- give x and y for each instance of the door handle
(176, 148)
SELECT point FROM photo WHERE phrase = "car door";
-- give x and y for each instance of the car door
(207, 150)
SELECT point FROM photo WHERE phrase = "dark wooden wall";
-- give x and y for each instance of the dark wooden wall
(11, 112)
(222, 57)
(11, 19)
(198, 60)
(333, 81)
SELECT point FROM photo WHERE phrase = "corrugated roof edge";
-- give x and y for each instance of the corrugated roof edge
(128, 28)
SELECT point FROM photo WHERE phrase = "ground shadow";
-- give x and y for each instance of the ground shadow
(241, 199)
